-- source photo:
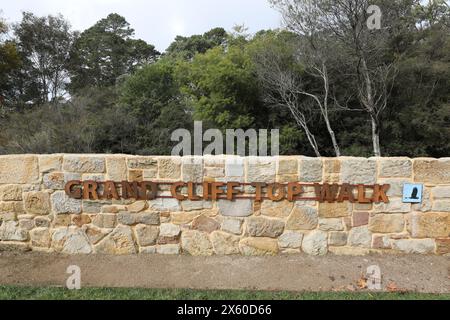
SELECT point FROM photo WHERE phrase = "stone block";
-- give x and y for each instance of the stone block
(50, 162)
(288, 166)
(164, 205)
(395, 205)
(276, 209)
(260, 169)
(360, 237)
(422, 246)
(205, 224)
(337, 239)
(61, 203)
(432, 171)
(84, 163)
(443, 246)
(147, 218)
(234, 167)
(290, 240)
(11, 231)
(224, 243)
(358, 170)
(192, 169)
(119, 242)
(146, 235)
(71, 241)
(360, 219)
(196, 243)
(147, 163)
(181, 218)
(334, 224)
(441, 206)
(169, 168)
(310, 170)
(19, 169)
(11, 192)
(302, 218)
(37, 203)
(381, 242)
(258, 246)
(116, 168)
(40, 238)
(441, 192)
(54, 180)
(237, 208)
(169, 249)
(395, 168)
(315, 243)
(233, 226)
(334, 210)
(264, 227)
(429, 225)
(387, 223)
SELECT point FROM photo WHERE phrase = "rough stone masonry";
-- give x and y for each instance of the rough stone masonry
(37, 214)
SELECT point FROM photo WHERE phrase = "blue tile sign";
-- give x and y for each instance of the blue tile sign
(412, 193)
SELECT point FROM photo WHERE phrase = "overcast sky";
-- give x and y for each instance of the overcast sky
(155, 21)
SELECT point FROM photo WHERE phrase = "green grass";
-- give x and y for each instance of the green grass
(53, 293)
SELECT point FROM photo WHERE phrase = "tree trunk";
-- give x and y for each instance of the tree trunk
(337, 150)
(372, 109)
(313, 142)
(376, 137)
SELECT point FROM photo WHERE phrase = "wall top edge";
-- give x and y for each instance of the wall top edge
(212, 156)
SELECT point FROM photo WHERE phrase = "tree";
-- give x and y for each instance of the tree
(296, 70)
(418, 123)
(223, 88)
(44, 44)
(187, 47)
(152, 96)
(279, 74)
(106, 52)
(363, 48)
(91, 122)
(9, 62)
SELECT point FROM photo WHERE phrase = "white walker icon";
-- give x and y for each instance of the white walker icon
(74, 281)
(412, 193)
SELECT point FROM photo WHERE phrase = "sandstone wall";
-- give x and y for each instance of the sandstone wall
(36, 214)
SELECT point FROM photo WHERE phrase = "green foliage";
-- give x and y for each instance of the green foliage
(9, 62)
(52, 293)
(105, 52)
(223, 89)
(187, 47)
(72, 127)
(44, 44)
(418, 123)
(152, 96)
(126, 98)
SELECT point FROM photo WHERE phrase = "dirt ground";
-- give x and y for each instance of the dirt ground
(430, 274)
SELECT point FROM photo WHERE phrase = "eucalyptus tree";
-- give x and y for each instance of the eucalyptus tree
(44, 44)
(106, 52)
(361, 44)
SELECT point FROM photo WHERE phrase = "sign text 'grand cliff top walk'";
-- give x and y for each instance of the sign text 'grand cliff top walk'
(213, 191)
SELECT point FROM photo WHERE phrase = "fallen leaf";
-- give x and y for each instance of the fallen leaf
(351, 287)
(392, 287)
(362, 283)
